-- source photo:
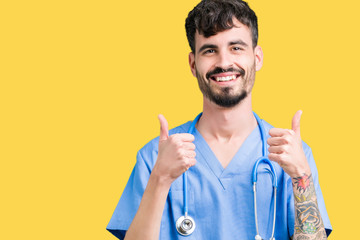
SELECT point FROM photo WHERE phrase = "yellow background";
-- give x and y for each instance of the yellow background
(82, 83)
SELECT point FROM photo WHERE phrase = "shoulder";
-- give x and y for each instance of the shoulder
(149, 151)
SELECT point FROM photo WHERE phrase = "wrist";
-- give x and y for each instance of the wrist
(301, 172)
(160, 181)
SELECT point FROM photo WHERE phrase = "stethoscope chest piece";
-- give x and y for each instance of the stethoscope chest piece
(258, 237)
(185, 225)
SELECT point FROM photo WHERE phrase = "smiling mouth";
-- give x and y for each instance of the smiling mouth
(225, 78)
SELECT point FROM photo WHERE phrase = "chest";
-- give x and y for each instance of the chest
(225, 151)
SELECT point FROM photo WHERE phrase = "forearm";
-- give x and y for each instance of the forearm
(146, 224)
(308, 221)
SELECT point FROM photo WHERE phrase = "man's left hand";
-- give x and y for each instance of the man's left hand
(285, 148)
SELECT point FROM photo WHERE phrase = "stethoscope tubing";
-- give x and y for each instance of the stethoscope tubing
(185, 179)
(263, 159)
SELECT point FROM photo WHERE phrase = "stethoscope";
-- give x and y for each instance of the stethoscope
(185, 225)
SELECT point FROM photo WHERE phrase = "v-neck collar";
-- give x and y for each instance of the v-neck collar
(238, 164)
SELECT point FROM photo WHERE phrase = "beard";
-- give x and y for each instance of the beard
(225, 96)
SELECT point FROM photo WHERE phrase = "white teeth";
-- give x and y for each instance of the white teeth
(225, 79)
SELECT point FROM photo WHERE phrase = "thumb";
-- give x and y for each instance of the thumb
(164, 131)
(296, 123)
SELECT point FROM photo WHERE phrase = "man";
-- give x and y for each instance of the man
(220, 153)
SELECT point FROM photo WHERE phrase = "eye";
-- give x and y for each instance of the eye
(237, 49)
(209, 51)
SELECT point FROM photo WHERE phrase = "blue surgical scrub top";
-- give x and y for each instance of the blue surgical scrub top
(219, 200)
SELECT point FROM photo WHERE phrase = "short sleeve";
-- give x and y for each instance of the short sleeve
(130, 199)
(319, 196)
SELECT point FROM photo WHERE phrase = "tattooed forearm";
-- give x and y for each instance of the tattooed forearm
(308, 222)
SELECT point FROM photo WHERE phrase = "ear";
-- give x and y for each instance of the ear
(259, 57)
(192, 63)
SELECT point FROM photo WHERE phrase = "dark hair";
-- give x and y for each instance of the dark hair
(212, 16)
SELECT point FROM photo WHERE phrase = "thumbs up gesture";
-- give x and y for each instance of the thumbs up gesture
(176, 153)
(285, 148)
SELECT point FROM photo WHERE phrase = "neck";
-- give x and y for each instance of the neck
(225, 124)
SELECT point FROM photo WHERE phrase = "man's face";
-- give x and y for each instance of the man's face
(225, 65)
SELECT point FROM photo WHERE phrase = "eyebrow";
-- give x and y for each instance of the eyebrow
(207, 46)
(240, 42)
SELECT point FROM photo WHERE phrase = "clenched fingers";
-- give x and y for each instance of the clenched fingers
(183, 137)
(277, 141)
(279, 158)
(189, 154)
(279, 132)
(279, 149)
(188, 146)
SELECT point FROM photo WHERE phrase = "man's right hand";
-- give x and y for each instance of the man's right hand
(176, 153)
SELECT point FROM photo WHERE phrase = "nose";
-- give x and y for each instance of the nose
(224, 60)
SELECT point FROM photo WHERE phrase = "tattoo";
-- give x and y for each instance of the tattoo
(302, 183)
(308, 222)
(303, 238)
